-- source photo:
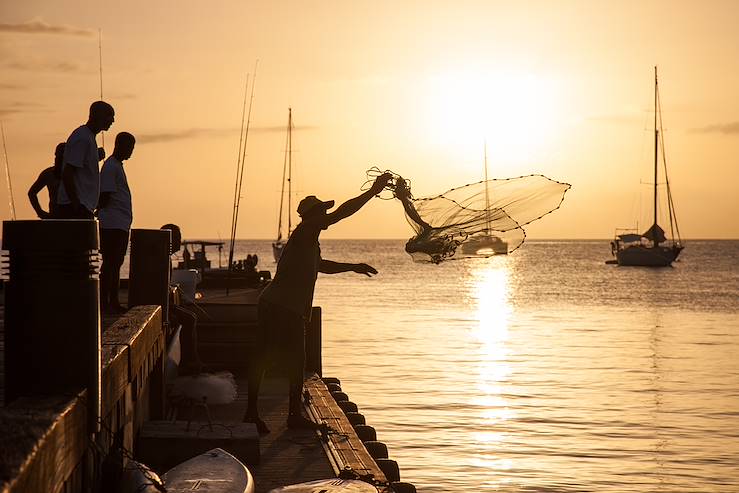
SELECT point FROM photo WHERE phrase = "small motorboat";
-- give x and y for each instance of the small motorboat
(215, 471)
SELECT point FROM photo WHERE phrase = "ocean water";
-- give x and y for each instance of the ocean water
(545, 370)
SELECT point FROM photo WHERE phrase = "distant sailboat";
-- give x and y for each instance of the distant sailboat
(485, 242)
(280, 242)
(647, 249)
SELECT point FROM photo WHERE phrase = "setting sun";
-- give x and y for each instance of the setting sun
(515, 113)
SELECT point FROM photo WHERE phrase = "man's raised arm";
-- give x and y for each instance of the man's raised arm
(353, 205)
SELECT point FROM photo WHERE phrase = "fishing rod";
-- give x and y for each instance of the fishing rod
(100, 65)
(236, 180)
(7, 174)
(241, 166)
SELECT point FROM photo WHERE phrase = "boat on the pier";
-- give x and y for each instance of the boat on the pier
(651, 248)
(214, 471)
(243, 273)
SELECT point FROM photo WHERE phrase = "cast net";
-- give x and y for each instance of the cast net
(476, 220)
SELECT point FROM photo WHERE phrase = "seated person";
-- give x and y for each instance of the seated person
(190, 362)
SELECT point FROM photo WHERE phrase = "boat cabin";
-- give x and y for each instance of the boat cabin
(194, 257)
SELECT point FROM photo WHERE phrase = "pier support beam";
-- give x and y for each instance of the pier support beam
(150, 268)
(313, 357)
(52, 310)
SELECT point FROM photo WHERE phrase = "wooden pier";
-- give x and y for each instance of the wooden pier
(49, 443)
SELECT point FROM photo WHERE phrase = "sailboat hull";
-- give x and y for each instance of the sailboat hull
(642, 256)
(485, 245)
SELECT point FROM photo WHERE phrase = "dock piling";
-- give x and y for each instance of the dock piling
(52, 310)
(150, 268)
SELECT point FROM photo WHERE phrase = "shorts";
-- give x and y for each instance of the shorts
(281, 333)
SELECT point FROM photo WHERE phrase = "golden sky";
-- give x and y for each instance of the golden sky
(562, 88)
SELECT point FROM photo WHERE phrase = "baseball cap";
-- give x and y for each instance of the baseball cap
(310, 203)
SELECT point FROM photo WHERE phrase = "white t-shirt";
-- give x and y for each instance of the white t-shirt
(81, 152)
(118, 214)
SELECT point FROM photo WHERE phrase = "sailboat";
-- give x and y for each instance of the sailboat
(652, 248)
(484, 242)
(279, 244)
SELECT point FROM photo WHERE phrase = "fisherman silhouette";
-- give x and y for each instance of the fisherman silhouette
(80, 188)
(49, 179)
(285, 305)
(116, 214)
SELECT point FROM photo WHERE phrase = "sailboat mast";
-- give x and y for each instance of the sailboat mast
(487, 194)
(289, 169)
(656, 145)
(282, 189)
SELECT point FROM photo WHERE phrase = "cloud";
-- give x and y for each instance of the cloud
(152, 138)
(38, 26)
(113, 96)
(5, 112)
(191, 133)
(731, 128)
(618, 119)
(47, 66)
(8, 86)
(17, 107)
(281, 129)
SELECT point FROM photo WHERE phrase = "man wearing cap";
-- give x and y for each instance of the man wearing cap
(285, 305)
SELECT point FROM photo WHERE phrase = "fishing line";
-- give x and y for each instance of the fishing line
(7, 174)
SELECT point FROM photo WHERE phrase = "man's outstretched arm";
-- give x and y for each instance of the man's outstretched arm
(331, 267)
(353, 205)
(402, 192)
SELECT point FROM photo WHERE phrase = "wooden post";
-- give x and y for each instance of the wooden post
(150, 268)
(52, 310)
(313, 362)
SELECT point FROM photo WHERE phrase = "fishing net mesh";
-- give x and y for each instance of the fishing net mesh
(476, 220)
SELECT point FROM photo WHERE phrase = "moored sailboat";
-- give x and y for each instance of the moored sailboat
(485, 242)
(279, 244)
(652, 248)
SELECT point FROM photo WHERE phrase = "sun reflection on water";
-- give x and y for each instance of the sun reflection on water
(490, 294)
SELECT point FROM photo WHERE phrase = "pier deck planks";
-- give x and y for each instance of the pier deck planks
(287, 456)
(343, 443)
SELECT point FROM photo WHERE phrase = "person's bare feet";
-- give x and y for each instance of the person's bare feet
(261, 425)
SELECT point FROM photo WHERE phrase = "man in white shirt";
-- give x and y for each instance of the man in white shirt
(79, 191)
(116, 215)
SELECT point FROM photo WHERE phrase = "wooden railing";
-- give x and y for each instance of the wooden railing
(47, 442)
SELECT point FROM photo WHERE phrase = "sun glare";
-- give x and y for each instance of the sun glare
(515, 113)
(493, 312)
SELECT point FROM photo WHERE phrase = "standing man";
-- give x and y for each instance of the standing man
(80, 189)
(285, 305)
(116, 214)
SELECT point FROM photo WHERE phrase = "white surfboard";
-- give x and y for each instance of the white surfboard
(335, 485)
(215, 471)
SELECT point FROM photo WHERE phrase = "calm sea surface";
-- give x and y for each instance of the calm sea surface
(545, 370)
